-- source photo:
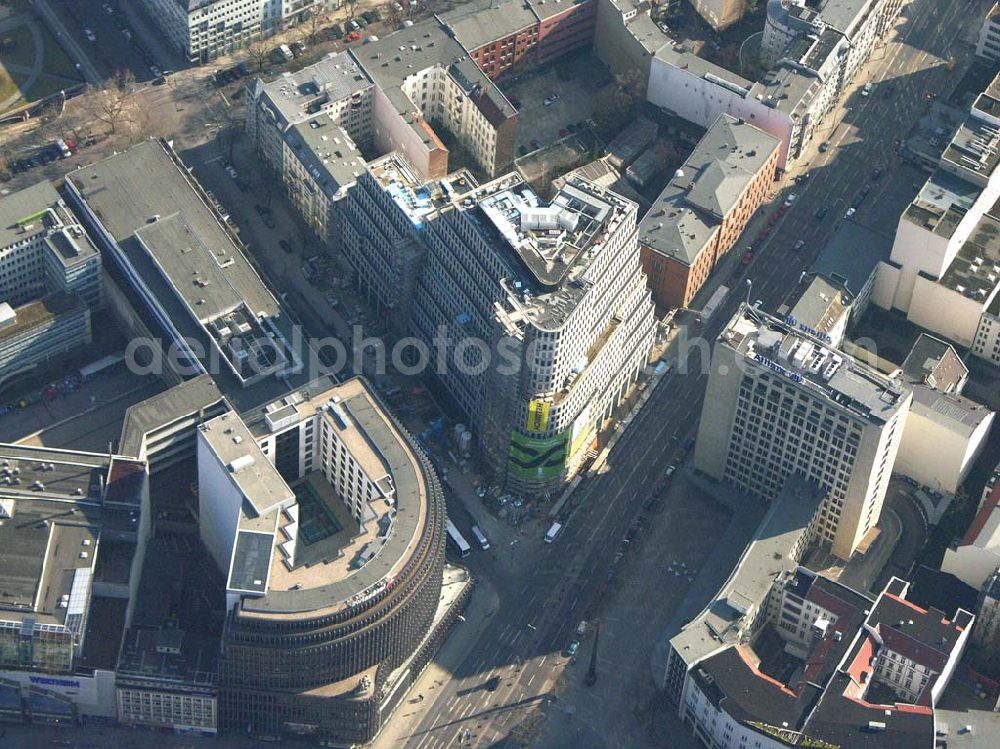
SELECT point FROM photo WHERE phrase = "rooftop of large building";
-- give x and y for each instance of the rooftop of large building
(766, 559)
(36, 210)
(821, 306)
(480, 22)
(169, 655)
(941, 203)
(351, 560)
(988, 102)
(706, 188)
(791, 352)
(975, 148)
(37, 313)
(975, 271)
(298, 96)
(415, 198)
(984, 531)
(199, 394)
(55, 505)
(327, 153)
(191, 265)
(852, 255)
(548, 247)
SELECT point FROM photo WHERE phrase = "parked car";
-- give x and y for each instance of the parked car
(791, 199)
(91, 37)
(876, 174)
(352, 37)
(571, 649)
(850, 212)
(286, 246)
(867, 90)
(824, 147)
(799, 245)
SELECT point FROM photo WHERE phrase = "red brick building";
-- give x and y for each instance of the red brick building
(702, 211)
(503, 34)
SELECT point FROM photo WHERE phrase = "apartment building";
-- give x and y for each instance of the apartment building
(390, 95)
(430, 90)
(780, 400)
(868, 676)
(975, 557)
(201, 30)
(813, 51)
(720, 14)
(988, 44)
(752, 595)
(44, 250)
(944, 267)
(700, 214)
(504, 34)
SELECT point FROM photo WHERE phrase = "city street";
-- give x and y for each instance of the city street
(538, 611)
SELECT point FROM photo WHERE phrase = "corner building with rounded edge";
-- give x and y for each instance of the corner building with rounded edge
(329, 521)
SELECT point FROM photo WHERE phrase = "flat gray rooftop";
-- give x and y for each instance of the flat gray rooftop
(19, 208)
(183, 400)
(852, 255)
(483, 21)
(942, 202)
(141, 196)
(297, 96)
(327, 153)
(975, 271)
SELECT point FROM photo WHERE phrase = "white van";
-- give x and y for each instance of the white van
(553, 533)
(484, 543)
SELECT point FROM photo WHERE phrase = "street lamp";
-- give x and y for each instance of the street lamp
(749, 287)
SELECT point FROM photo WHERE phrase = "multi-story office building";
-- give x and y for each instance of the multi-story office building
(44, 250)
(553, 291)
(73, 532)
(945, 431)
(988, 45)
(780, 400)
(187, 274)
(702, 211)
(944, 267)
(40, 330)
(327, 522)
(202, 30)
(166, 679)
(380, 225)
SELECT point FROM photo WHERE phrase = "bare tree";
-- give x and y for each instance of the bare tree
(314, 25)
(351, 5)
(112, 101)
(394, 14)
(5, 170)
(258, 50)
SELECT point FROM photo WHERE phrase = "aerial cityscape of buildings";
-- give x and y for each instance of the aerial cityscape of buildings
(500, 373)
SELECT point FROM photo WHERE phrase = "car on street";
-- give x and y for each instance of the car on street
(799, 245)
(876, 174)
(867, 90)
(791, 199)
(571, 649)
(824, 147)
(91, 37)
(850, 212)
(492, 684)
(581, 629)
(231, 172)
(286, 246)
(747, 257)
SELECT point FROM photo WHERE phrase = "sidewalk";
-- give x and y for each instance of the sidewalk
(464, 636)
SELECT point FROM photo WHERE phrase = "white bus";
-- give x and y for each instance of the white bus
(457, 539)
(484, 543)
(714, 302)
